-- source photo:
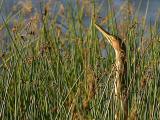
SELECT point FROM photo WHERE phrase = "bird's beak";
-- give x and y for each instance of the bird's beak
(106, 34)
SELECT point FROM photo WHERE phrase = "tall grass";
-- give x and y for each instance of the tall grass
(56, 70)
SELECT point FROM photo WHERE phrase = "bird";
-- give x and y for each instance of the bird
(121, 68)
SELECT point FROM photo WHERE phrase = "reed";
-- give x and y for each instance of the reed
(56, 65)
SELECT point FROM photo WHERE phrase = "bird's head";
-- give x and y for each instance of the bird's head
(115, 41)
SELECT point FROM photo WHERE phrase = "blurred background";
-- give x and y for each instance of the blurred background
(13, 5)
(16, 9)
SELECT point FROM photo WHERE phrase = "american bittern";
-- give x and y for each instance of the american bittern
(121, 69)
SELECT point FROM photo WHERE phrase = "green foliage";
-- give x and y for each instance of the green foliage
(47, 73)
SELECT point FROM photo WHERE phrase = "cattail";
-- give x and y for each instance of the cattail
(143, 83)
(47, 8)
(14, 29)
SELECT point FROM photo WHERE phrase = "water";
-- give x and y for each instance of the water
(152, 8)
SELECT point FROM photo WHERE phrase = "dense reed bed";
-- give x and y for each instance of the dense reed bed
(58, 66)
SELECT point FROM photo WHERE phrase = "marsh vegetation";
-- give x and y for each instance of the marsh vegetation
(57, 65)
